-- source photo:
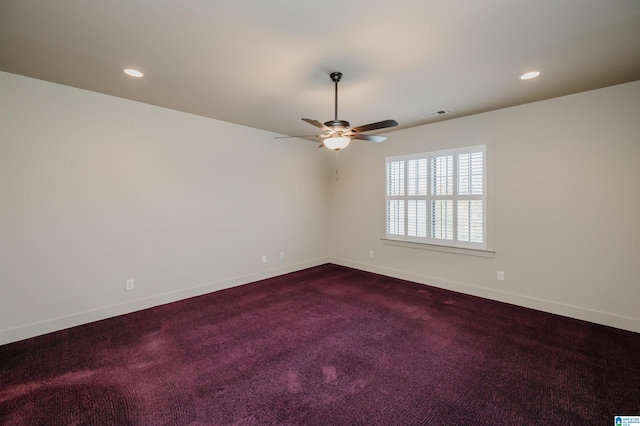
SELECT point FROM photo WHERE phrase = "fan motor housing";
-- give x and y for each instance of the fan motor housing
(338, 125)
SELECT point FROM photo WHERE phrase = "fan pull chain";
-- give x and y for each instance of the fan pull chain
(337, 150)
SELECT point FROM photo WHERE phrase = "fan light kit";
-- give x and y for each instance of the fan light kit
(338, 133)
(339, 142)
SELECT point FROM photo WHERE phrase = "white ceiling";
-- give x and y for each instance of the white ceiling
(266, 63)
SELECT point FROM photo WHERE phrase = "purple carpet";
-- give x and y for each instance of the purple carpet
(325, 346)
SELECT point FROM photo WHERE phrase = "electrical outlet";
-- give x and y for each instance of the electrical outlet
(264, 259)
(281, 255)
(500, 276)
(128, 285)
(370, 253)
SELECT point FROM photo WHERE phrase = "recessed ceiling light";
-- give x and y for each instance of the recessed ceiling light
(530, 75)
(133, 73)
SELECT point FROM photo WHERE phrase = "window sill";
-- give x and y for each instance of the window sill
(434, 247)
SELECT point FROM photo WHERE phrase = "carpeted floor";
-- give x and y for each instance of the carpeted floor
(325, 346)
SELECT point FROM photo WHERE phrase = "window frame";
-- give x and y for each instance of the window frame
(484, 248)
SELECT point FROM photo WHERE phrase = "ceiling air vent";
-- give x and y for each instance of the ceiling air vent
(433, 114)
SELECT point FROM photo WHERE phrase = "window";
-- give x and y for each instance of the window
(438, 198)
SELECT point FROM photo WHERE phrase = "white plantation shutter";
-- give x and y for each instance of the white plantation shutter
(417, 176)
(442, 219)
(471, 174)
(471, 197)
(438, 197)
(395, 217)
(417, 218)
(395, 178)
(442, 175)
(395, 207)
(470, 220)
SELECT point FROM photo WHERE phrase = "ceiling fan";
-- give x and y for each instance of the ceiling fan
(338, 133)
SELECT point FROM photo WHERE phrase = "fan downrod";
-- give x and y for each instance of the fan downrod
(336, 124)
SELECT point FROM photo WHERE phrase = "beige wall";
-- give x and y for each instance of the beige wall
(566, 202)
(96, 189)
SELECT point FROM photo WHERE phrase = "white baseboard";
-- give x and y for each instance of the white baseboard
(603, 318)
(61, 323)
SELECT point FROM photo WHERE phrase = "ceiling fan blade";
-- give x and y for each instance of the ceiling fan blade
(303, 136)
(369, 138)
(317, 124)
(374, 126)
